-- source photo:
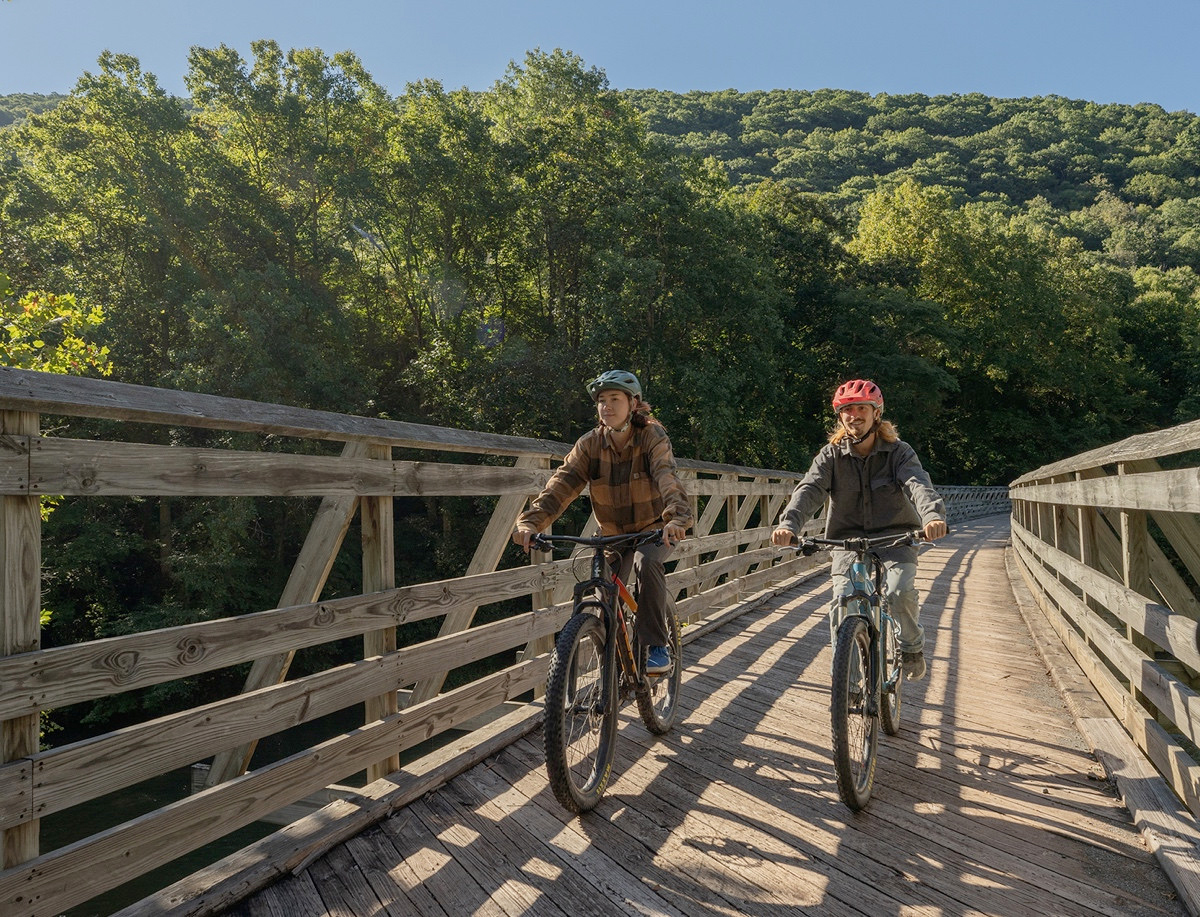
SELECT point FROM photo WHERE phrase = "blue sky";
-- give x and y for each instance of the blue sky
(1098, 50)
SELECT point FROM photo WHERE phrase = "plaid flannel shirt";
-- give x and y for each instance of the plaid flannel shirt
(631, 491)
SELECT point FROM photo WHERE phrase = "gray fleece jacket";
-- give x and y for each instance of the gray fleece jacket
(885, 492)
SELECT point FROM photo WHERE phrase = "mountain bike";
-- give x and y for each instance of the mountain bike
(597, 664)
(868, 676)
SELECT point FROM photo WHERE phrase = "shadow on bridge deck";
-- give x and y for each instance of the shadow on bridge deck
(987, 802)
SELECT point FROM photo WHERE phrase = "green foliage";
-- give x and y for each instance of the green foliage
(46, 332)
(1020, 275)
(19, 106)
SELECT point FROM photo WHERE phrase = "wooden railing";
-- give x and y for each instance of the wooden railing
(727, 562)
(1109, 544)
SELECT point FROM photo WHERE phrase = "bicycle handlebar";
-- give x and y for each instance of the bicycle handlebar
(810, 545)
(636, 539)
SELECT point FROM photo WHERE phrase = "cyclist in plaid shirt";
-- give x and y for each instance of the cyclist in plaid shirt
(628, 466)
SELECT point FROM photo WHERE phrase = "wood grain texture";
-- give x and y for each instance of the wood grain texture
(989, 801)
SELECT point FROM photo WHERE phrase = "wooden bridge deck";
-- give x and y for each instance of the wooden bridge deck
(987, 802)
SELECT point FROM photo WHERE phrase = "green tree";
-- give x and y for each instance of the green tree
(49, 332)
(1033, 324)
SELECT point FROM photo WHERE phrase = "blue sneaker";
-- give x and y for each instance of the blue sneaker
(659, 661)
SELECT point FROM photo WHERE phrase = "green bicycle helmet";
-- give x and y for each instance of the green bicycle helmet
(619, 379)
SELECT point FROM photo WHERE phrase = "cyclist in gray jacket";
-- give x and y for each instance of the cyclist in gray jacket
(875, 486)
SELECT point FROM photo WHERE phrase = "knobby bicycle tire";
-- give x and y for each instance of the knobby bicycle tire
(891, 702)
(580, 731)
(658, 701)
(854, 708)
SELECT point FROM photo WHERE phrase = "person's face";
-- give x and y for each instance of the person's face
(858, 418)
(614, 408)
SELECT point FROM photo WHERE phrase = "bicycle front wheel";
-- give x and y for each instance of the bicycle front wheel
(855, 711)
(580, 729)
(893, 678)
(658, 699)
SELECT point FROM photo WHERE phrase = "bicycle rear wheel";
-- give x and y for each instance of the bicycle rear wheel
(893, 678)
(580, 730)
(855, 713)
(658, 701)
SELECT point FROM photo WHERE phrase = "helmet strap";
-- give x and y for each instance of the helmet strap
(854, 441)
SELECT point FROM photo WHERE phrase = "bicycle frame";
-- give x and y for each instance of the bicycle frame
(605, 582)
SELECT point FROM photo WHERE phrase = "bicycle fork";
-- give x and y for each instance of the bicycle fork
(865, 604)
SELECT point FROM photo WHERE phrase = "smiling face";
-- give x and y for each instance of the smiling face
(858, 418)
(613, 407)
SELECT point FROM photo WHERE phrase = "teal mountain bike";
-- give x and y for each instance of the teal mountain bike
(868, 676)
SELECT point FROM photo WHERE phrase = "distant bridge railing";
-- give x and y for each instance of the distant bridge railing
(1109, 544)
(402, 688)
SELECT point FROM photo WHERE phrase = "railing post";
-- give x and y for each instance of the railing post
(1086, 523)
(379, 573)
(20, 618)
(1135, 572)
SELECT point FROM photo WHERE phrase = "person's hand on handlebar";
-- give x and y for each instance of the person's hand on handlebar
(783, 537)
(522, 538)
(935, 530)
(673, 532)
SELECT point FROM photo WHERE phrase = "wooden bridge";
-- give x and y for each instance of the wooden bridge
(1018, 785)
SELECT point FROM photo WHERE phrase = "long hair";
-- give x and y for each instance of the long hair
(640, 413)
(641, 416)
(885, 430)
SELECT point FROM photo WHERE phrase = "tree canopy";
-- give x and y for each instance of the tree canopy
(1019, 275)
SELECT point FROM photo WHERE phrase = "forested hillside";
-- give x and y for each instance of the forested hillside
(1019, 275)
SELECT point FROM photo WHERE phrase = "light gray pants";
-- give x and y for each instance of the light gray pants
(902, 603)
(653, 598)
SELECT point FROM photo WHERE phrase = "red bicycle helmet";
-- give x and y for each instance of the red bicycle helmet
(857, 391)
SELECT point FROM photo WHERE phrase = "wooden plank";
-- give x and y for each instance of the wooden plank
(378, 575)
(507, 882)
(76, 396)
(1175, 765)
(396, 885)
(84, 467)
(20, 633)
(342, 886)
(1176, 633)
(1169, 829)
(508, 808)
(288, 851)
(1182, 531)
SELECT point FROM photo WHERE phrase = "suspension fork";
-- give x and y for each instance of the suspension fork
(602, 595)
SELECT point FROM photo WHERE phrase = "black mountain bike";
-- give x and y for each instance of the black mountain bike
(596, 665)
(867, 673)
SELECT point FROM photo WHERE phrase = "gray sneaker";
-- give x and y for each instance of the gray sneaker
(914, 666)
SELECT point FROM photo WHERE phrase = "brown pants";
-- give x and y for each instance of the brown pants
(654, 599)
